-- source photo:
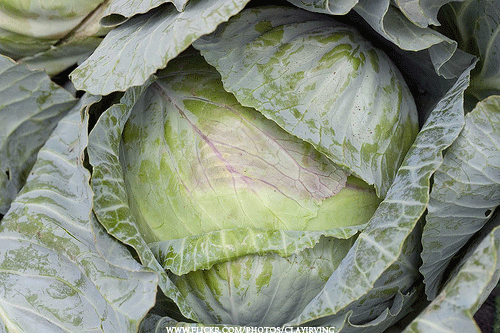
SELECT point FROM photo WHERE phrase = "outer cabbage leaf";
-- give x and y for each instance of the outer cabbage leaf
(53, 278)
(376, 253)
(404, 23)
(73, 49)
(55, 54)
(44, 19)
(118, 11)
(333, 7)
(110, 201)
(130, 53)
(391, 313)
(15, 45)
(476, 27)
(188, 254)
(389, 299)
(320, 81)
(56, 59)
(465, 193)
(263, 289)
(421, 12)
(30, 107)
(474, 279)
(389, 22)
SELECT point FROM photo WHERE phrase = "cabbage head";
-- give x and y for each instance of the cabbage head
(224, 164)
(247, 217)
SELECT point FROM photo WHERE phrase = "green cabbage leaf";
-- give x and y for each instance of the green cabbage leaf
(322, 82)
(50, 36)
(475, 26)
(136, 49)
(54, 278)
(465, 291)
(466, 191)
(31, 105)
(407, 24)
(119, 11)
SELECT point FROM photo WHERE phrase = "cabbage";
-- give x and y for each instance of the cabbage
(197, 164)
(191, 163)
(227, 200)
